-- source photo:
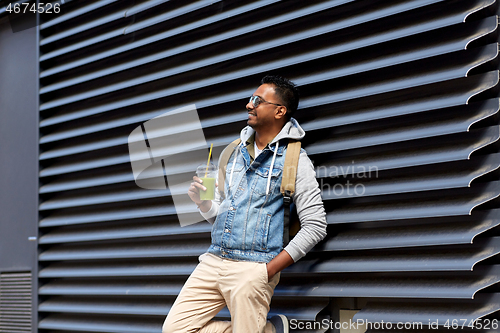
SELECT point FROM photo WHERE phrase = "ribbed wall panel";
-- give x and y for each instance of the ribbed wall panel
(400, 104)
(16, 302)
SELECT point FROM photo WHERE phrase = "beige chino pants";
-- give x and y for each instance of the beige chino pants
(215, 283)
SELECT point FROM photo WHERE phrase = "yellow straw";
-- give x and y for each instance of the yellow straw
(208, 161)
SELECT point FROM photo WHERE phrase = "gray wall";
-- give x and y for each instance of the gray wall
(18, 150)
(406, 88)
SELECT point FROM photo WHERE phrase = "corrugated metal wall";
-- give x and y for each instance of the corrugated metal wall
(400, 102)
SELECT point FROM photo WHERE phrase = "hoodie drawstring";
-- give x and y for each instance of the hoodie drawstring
(271, 168)
(234, 163)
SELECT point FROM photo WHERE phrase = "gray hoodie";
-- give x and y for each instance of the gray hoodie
(307, 197)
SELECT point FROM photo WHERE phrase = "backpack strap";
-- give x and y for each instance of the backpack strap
(288, 183)
(224, 159)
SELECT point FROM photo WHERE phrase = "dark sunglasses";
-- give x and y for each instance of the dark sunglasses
(257, 100)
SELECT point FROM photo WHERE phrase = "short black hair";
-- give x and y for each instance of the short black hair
(286, 90)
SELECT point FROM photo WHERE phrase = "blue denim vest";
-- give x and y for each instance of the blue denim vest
(249, 224)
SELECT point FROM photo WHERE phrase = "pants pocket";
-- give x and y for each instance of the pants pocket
(266, 276)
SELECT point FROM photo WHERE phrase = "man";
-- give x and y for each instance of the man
(242, 266)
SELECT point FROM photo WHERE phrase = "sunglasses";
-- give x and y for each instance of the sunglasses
(257, 100)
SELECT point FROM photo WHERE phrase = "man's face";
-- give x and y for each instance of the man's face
(263, 115)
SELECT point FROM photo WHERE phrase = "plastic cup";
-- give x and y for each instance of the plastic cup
(208, 178)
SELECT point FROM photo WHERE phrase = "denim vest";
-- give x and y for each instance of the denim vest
(249, 224)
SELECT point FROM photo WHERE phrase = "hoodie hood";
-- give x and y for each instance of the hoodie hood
(291, 130)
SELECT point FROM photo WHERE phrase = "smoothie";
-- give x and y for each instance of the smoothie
(209, 183)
